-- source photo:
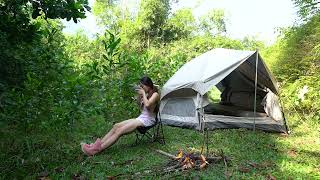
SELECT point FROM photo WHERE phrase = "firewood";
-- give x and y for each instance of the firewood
(216, 159)
(172, 167)
(209, 159)
(166, 154)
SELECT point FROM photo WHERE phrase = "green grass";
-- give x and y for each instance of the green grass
(57, 153)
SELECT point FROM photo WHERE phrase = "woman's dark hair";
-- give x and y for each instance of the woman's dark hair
(148, 82)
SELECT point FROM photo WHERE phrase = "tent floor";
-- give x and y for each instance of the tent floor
(261, 123)
(230, 110)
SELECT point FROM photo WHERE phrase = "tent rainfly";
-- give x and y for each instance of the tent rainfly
(248, 93)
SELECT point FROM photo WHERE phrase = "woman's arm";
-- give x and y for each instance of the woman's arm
(151, 101)
(139, 100)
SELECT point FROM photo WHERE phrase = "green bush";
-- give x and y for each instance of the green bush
(295, 61)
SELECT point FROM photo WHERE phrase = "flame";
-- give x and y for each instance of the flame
(188, 160)
(179, 155)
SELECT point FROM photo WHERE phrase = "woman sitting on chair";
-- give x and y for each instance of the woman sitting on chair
(148, 99)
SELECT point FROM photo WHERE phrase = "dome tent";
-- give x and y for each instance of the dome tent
(248, 99)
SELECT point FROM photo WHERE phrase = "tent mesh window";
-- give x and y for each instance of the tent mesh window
(180, 107)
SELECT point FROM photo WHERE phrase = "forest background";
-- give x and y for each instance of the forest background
(57, 89)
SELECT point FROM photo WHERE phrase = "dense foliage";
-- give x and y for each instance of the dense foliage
(295, 60)
(20, 26)
(70, 87)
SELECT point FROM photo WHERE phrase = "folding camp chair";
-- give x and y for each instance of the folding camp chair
(155, 136)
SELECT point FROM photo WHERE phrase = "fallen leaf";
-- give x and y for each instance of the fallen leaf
(43, 176)
(253, 164)
(59, 169)
(265, 164)
(284, 135)
(77, 177)
(80, 158)
(272, 147)
(228, 174)
(292, 153)
(316, 169)
(244, 169)
(111, 177)
(44, 173)
(270, 177)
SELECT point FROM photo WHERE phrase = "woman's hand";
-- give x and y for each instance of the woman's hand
(141, 91)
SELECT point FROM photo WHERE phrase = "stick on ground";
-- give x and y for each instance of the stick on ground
(166, 154)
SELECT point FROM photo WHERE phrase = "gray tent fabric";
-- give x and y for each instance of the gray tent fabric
(184, 101)
(210, 68)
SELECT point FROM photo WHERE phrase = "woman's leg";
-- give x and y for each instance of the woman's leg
(107, 136)
(112, 136)
(114, 128)
(118, 130)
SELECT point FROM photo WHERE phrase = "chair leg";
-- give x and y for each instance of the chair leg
(147, 134)
(140, 137)
(163, 142)
(159, 135)
(156, 135)
(137, 139)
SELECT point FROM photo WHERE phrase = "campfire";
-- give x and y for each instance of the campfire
(191, 160)
(182, 161)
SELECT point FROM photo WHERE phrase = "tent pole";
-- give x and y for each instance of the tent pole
(255, 93)
(207, 142)
(200, 118)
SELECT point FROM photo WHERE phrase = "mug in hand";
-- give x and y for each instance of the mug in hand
(136, 87)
